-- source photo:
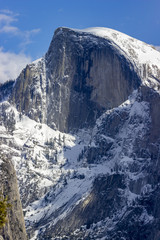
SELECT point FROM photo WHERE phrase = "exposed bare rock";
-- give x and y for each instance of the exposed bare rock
(80, 77)
(15, 227)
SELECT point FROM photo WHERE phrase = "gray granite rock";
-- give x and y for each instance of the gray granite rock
(80, 77)
(14, 229)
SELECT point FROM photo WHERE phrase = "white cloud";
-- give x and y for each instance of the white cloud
(7, 11)
(9, 29)
(11, 64)
(7, 26)
(6, 20)
(27, 36)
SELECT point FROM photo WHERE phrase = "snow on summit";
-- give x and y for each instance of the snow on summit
(143, 52)
(144, 57)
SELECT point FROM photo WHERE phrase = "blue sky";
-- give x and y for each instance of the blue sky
(27, 26)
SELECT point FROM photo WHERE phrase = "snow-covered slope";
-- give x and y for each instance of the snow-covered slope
(49, 173)
(144, 53)
(144, 56)
(82, 129)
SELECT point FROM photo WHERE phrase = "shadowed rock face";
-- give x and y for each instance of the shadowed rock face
(105, 196)
(15, 227)
(84, 75)
(5, 90)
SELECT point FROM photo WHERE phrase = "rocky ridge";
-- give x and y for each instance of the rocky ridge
(82, 126)
(81, 67)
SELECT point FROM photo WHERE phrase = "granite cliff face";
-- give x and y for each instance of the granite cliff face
(82, 128)
(81, 76)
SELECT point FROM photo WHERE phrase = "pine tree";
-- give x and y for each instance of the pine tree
(4, 206)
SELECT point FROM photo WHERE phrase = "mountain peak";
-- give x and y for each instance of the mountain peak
(81, 76)
(144, 57)
(82, 129)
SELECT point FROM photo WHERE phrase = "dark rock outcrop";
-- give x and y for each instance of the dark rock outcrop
(6, 89)
(14, 229)
(80, 77)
